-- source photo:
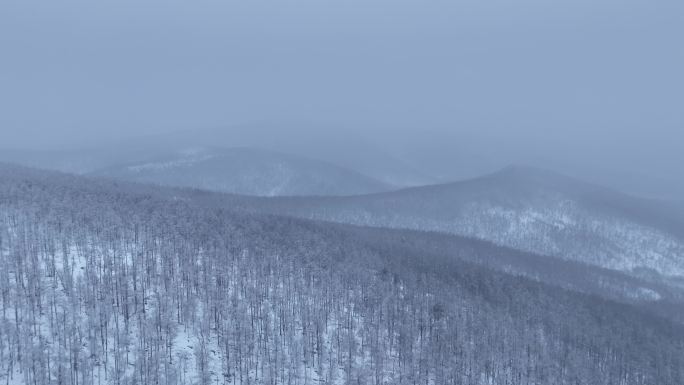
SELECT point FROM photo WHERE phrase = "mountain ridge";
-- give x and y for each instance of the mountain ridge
(247, 171)
(528, 209)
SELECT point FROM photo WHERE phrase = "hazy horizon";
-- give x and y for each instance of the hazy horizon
(455, 88)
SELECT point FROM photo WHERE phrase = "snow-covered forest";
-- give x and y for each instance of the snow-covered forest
(110, 283)
(341, 192)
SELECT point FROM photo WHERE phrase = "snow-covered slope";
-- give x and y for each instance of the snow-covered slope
(246, 171)
(527, 209)
(346, 148)
(347, 151)
(118, 283)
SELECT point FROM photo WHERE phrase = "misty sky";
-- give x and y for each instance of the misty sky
(563, 81)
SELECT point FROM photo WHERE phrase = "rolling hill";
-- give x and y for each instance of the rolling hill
(246, 171)
(523, 208)
(111, 282)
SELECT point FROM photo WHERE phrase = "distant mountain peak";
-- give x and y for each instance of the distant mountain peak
(525, 171)
(524, 176)
(249, 171)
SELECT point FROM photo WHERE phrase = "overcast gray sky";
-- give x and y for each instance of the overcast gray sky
(568, 80)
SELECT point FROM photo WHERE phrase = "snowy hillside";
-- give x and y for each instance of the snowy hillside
(526, 209)
(246, 171)
(110, 283)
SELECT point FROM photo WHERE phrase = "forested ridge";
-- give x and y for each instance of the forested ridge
(246, 171)
(523, 208)
(111, 283)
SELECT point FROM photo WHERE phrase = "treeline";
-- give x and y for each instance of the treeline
(107, 284)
